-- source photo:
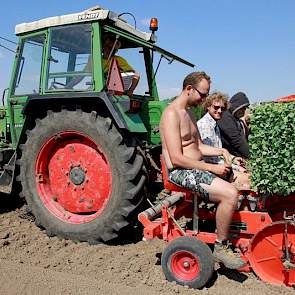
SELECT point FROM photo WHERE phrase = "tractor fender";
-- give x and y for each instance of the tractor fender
(37, 103)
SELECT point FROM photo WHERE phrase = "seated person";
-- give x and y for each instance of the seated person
(215, 105)
(232, 133)
(183, 151)
(109, 49)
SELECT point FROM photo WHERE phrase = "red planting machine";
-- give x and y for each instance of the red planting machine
(263, 229)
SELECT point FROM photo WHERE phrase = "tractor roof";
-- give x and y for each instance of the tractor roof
(91, 14)
(97, 13)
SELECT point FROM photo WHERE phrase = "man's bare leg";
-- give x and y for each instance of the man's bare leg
(226, 195)
(242, 180)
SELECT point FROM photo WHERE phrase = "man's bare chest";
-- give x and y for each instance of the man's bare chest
(188, 128)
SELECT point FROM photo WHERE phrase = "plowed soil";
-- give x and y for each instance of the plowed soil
(32, 263)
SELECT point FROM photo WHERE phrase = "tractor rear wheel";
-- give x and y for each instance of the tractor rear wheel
(79, 177)
(188, 262)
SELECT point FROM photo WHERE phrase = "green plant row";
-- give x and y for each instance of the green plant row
(272, 148)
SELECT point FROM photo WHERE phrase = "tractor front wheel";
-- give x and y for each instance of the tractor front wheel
(79, 177)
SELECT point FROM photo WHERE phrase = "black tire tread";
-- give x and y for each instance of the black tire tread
(130, 166)
(198, 248)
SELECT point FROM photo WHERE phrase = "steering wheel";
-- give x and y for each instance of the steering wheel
(54, 85)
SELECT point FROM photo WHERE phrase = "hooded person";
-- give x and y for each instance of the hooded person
(232, 133)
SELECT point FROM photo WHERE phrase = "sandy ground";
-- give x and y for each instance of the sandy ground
(32, 263)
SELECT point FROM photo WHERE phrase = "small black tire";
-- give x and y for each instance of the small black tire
(188, 262)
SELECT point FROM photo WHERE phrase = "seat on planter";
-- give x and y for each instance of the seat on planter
(167, 183)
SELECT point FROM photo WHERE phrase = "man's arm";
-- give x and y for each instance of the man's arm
(206, 145)
(125, 67)
(134, 82)
(171, 134)
(206, 132)
(208, 150)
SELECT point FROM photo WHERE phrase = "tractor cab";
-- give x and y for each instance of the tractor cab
(65, 54)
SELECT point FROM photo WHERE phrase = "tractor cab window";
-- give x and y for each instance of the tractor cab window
(130, 64)
(164, 65)
(70, 60)
(29, 66)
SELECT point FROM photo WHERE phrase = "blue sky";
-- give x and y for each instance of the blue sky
(243, 45)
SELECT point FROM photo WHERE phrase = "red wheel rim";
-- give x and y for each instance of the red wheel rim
(73, 177)
(267, 254)
(185, 265)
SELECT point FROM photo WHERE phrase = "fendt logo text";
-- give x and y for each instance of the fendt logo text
(88, 16)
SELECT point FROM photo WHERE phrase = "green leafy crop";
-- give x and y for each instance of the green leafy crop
(272, 148)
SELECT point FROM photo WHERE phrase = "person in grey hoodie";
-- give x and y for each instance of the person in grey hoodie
(232, 134)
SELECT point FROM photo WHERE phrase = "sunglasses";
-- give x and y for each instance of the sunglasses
(202, 95)
(216, 108)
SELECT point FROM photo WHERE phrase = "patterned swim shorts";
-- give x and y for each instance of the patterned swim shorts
(191, 179)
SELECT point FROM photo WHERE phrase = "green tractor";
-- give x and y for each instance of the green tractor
(81, 151)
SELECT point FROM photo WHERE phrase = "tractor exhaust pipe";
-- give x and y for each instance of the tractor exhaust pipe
(155, 210)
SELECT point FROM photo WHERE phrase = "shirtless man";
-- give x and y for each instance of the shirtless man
(183, 151)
